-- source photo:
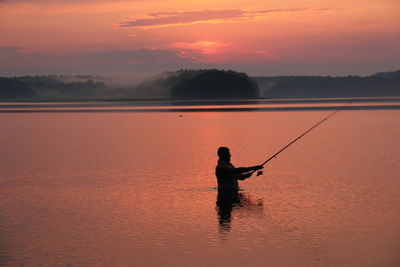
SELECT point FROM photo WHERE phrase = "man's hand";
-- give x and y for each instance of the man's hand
(258, 167)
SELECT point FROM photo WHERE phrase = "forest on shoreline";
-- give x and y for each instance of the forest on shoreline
(196, 84)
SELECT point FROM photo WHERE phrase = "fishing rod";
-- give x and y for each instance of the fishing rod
(303, 134)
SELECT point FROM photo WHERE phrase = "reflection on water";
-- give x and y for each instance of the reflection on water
(237, 201)
(133, 189)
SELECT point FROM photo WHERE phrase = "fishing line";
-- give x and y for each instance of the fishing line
(303, 134)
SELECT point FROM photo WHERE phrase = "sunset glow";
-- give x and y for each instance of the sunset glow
(275, 38)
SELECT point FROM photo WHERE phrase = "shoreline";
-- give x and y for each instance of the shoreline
(210, 100)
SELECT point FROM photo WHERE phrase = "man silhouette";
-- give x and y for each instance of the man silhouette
(228, 186)
(228, 175)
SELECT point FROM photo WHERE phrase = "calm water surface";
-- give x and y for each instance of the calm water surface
(138, 189)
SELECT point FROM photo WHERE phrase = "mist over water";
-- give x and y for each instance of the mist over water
(117, 188)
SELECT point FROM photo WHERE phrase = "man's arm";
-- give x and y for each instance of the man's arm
(236, 171)
(244, 176)
(245, 169)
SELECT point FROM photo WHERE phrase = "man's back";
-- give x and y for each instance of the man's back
(225, 176)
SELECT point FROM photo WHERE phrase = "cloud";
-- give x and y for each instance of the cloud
(182, 18)
(164, 19)
(139, 62)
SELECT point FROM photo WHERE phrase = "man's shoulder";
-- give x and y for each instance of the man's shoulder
(223, 165)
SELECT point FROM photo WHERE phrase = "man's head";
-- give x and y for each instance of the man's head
(224, 154)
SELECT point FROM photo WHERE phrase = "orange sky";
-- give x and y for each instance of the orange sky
(333, 37)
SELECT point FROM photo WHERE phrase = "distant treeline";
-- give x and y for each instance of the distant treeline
(198, 84)
(378, 85)
(49, 87)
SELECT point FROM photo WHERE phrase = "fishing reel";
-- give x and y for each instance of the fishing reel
(259, 173)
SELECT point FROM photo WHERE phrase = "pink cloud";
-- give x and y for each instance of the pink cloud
(163, 19)
(181, 18)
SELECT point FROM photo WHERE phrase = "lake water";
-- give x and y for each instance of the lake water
(120, 184)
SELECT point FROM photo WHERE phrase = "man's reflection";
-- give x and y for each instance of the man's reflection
(227, 202)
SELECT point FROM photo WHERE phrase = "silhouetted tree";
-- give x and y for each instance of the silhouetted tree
(214, 84)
